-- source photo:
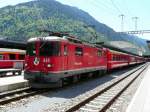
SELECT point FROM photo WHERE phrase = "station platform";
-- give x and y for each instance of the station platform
(12, 83)
(141, 99)
(9, 70)
(12, 71)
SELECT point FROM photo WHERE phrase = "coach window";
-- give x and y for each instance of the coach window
(65, 50)
(21, 57)
(12, 56)
(119, 58)
(1, 57)
(114, 58)
(78, 51)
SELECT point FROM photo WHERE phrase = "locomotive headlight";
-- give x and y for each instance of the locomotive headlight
(49, 65)
(26, 65)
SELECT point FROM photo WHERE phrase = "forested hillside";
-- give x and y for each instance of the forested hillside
(24, 20)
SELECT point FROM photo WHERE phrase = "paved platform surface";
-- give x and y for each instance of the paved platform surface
(12, 83)
(141, 99)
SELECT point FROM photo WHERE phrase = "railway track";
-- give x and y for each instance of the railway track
(15, 95)
(19, 94)
(102, 100)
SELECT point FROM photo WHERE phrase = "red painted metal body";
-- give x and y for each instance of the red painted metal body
(116, 59)
(71, 57)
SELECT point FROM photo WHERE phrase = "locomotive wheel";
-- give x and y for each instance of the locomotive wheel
(61, 83)
(96, 74)
(103, 72)
(70, 80)
(90, 74)
(75, 79)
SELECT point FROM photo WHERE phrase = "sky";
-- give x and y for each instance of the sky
(108, 11)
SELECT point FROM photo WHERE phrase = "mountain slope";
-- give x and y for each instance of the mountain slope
(23, 21)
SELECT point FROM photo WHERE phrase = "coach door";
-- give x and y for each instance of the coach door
(65, 57)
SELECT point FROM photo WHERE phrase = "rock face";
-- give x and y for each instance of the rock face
(24, 20)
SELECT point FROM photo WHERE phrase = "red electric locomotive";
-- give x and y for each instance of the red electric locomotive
(52, 60)
(56, 58)
(11, 58)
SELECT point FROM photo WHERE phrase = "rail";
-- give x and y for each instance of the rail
(82, 104)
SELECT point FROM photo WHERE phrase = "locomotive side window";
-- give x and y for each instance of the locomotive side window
(65, 50)
(49, 49)
(99, 53)
(31, 49)
(1, 57)
(12, 56)
(78, 51)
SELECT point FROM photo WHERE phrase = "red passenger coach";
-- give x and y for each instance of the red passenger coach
(11, 58)
(58, 57)
(116, 59)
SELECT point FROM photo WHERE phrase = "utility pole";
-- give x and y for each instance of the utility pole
(122, 21)
(135, 18)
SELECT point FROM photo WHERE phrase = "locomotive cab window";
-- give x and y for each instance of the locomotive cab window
(65, 50)
(78, 51)
(31, 49)
(49, 49)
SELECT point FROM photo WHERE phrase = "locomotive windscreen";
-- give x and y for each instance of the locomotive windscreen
(49, 49)
(31, 49)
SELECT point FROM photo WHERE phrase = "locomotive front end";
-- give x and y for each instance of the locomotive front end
(43, 60)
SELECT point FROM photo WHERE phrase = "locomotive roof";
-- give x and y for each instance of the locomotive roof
(48, 38)
(64, 38)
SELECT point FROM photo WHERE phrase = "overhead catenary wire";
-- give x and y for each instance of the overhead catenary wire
(127, 8)
(102, 6)
(116, 7)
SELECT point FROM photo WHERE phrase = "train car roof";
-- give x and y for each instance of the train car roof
(7, 50)
(12, 44)
(118, 49)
